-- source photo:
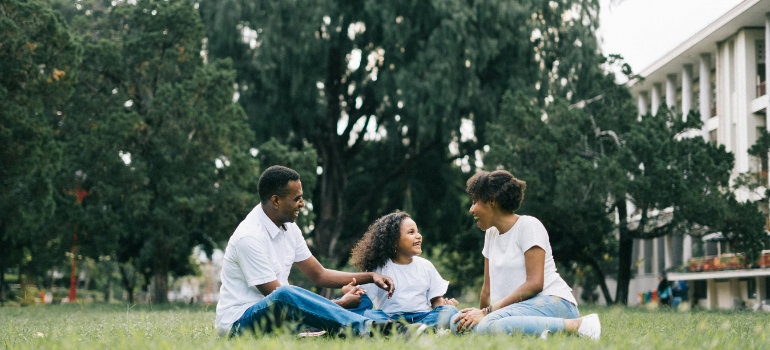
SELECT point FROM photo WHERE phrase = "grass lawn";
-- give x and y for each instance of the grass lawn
(95, 326)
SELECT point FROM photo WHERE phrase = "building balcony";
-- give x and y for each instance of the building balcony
(726, 262)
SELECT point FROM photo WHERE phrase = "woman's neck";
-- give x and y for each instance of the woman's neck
(505, 222)
(402, 259)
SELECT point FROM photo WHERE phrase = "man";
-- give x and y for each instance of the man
(255, 287)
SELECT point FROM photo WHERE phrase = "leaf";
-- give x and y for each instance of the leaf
(32, 47)
(57, 74)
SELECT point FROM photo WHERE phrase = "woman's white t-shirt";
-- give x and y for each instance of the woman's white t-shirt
(416, 284)
(507, 270)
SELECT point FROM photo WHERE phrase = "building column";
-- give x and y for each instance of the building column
(655, 99)
(686, 90)
(671, 91)
(641, 104)
(705, 92)
(742, 99)
(687, 251)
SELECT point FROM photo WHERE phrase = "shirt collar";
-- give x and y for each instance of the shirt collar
(268, 224)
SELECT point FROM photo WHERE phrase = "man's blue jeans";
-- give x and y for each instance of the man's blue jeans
(531, 316)
(289, 303)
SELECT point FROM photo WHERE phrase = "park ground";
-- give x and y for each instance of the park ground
(94, 326)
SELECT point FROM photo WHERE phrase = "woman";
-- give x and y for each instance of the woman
(522, 291)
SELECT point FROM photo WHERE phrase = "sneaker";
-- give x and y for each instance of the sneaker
(590, 327)
(311, 334)
(545, 334)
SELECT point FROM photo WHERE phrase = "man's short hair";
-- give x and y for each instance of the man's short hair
(500, 186)
(275, 181)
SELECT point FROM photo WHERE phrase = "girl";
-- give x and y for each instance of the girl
(390, 247)
(522, 292)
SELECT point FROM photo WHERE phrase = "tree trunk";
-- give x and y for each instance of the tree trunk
(602, 279)
(625, 250)
(128, 282)
(2, 277)
(332, 151)
(3, 254)
(108, 285)
(160, 274)
(160, 294)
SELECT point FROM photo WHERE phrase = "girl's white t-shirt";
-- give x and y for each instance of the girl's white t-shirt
(416, 284)
(507, 270)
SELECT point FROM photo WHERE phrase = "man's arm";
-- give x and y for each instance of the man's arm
(323, 277)
(268, 287)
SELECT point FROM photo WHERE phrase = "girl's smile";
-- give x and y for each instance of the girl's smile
(410, 243)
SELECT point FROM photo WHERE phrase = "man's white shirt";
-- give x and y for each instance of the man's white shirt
(258, 252)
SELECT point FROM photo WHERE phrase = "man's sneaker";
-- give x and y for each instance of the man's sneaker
(390, 328)
(311, 334)
(590, 327)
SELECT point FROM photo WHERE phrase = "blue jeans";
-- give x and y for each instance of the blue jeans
(531, 316)
(289, 303)
(439, 317)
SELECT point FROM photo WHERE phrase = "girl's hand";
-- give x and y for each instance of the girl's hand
(469, 318)
(348, 287)
(451, 301)
(352, 298)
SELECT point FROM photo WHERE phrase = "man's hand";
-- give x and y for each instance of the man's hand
(352, 298)
(384, 282)
(469, 318)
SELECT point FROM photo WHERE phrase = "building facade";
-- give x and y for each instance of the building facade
(721, 73)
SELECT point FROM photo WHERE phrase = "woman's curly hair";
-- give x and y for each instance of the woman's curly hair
(379, 242)
(500, 186)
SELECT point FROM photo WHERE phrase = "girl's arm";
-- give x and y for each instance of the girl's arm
(534, 260)
(438, 301)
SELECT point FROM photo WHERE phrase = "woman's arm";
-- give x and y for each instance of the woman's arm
(534, 261)
(484, 297)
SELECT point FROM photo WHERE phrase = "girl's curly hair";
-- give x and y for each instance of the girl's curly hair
(379, 242)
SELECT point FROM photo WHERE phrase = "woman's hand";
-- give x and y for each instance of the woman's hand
(469, 318)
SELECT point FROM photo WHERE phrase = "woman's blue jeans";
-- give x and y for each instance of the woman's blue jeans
(531, 316)
(289, 303)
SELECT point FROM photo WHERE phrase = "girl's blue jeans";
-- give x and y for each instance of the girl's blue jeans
(531, 316)
(439, 316)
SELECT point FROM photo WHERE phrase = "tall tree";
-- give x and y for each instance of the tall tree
(38, 57)
(566, 187)
(382, 89)
(154, 135)
(663, 169)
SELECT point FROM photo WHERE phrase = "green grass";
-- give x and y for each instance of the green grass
(143, 327)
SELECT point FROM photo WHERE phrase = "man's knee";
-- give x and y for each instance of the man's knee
(284, 293)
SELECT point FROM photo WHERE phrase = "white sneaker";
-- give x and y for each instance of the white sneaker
(544, 335)
(590, 327)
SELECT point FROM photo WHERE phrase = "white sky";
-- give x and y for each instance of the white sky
(642, 31)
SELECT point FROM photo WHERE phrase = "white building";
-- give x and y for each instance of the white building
(720, 71)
